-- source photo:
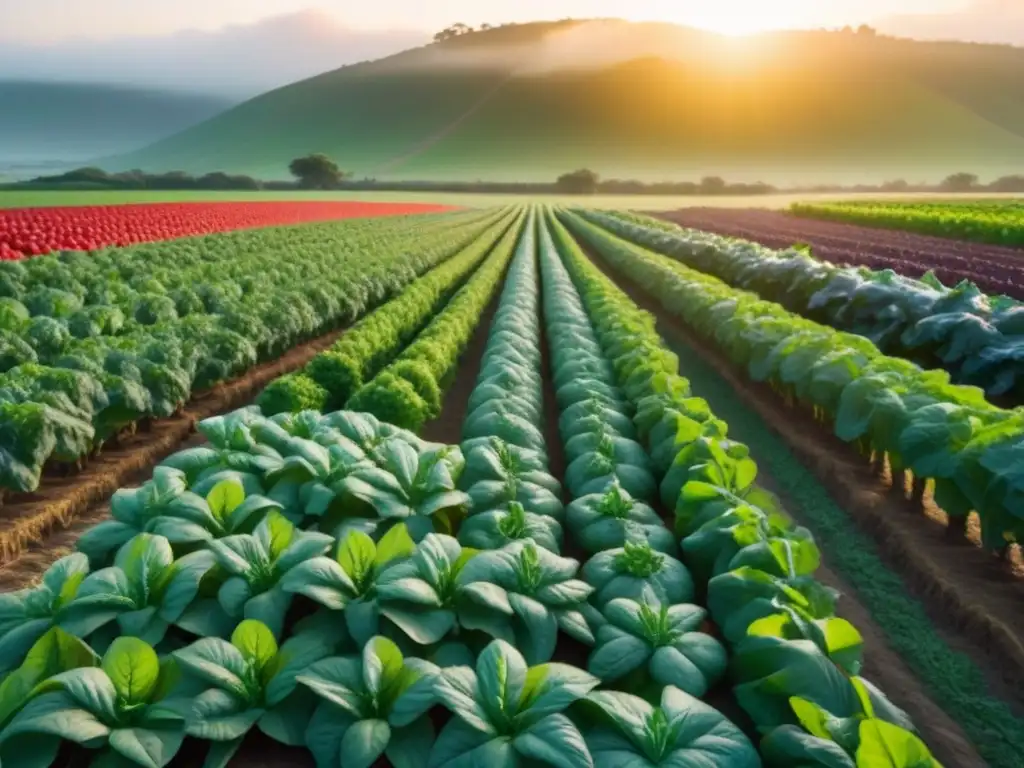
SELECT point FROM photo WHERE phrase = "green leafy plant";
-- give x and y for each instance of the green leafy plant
(496, 528)
(257, 563)
(418, 489)
(55, 652)
(498, 473)
(680, 730)
(420, 596)
(27, 614)
(524, 594)
(507, 713)
(249, 682)
(348, 581)
(134, 511)
(844, 742)
(370, 706)
(610, 519)
(638, 572)
(120, 707)
(141, 595)
(662, 641)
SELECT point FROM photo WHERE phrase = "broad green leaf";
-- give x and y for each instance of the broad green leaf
(133, 667)
(255, 641)
(396, 543)
(225, 497)
(364, 742)
(554, 741)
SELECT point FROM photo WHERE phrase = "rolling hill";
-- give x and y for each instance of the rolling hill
(644, 101)
(47, 125)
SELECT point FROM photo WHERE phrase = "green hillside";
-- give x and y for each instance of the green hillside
(634, 101)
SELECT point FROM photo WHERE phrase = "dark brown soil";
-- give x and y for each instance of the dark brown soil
(996, 269)
(976, 615)
(38, 527)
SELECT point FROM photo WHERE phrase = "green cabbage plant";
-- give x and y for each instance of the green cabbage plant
(507, 714)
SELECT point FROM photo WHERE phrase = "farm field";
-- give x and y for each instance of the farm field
(507, 483)
(999, 224)
(40, 199)
(995, 269)
(34, 231)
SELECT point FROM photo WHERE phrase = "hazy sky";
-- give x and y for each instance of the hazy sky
(47, 21)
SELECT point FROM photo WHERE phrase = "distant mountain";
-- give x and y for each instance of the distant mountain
(237, 62)
(643, 101)
(48, 126)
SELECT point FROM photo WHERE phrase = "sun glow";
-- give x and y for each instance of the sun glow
(734, 17)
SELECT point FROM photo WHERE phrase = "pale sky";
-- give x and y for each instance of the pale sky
(48, 21)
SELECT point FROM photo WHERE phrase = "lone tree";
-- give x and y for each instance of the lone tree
(316, 172)
(959, 182)
(581, 182)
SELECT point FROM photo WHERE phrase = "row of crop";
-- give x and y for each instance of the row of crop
(99, 385)
(889, 406)
(409, 391)
(335, 375)
(977, 338)
(33, 231)
(647, 639)
(1002, 224)
(794, 664)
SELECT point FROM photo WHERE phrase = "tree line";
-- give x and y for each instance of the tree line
(320, 172)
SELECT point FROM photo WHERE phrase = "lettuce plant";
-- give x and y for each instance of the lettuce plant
(508, 714)
(609, 459)
(523, 594)
(638, 572)
(680, 730)
(370, 706)
(418, 489)
(662, 642)
(348, 581)
(738, 598)
(55, 652)
(257, 563)
(420, 595)
(844, 742)
(601, 521)
(248, 682)
(120, 707)
(27, 614)
(231, 447)
(497, 527)
(134, 511)
(497, 473)
(144, 592)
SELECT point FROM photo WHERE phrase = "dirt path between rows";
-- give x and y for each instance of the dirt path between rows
(949, 587)
(996, 269)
